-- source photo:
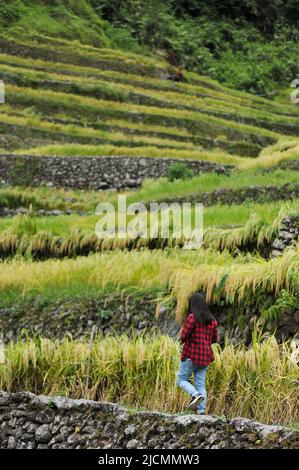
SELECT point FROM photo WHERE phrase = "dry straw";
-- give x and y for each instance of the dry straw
(260, 382)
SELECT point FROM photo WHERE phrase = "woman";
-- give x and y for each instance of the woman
(199, 332)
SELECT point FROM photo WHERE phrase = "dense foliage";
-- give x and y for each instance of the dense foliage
(264, 15)
(245, 44)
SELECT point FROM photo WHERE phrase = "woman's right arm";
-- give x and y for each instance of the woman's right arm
(215, 333)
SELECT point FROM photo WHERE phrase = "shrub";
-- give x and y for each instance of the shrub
(10, 13)
(179, 171)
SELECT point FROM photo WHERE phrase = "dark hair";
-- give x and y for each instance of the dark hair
(199, 307)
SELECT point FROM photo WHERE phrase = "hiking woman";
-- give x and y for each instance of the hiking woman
(200, 330)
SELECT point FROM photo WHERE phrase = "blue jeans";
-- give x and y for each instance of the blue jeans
(183, 380)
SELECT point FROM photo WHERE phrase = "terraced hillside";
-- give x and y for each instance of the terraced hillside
(67, 99)
(64, 99)
(68, 108)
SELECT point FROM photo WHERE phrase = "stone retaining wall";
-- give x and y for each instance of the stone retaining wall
(29, 422)
(230, 196)
(102, 172)
(260, 194)
(287, 235)
(115, 313)
(110, 312)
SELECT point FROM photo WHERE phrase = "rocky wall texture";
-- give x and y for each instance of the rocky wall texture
(115, 313)
(237, 196)
(110, 312)
(12, 212)
(285, 164)
(103, 172)
(28, 421)
(229, 196)
(287, 235)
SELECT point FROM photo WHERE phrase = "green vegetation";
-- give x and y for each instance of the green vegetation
(243, 45)
(64, 20)
(179, 171)
(221, 276)
(227, 40)
(80, 98)
(184, 80)
(285, 302)
(158, 190)
(251, 217)
(162, 189)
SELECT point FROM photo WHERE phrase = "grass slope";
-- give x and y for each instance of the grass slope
(64, 98)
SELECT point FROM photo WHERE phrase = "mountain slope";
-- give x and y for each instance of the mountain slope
(75, 96)
(247, 46)
(69, 19)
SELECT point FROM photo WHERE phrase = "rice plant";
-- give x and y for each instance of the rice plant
(282, 151)
(49, 101)
(165, 98)
(221, 276)
(259, 382)
(232, 282)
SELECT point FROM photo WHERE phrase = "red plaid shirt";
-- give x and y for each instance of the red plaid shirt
(198, 339)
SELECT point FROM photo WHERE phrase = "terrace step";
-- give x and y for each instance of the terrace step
(72, 56)
(124, 428)
(26, 136)
(198, 105)
(44, 245)
(99, 91)
(287, 191)
(102, 172)
(15, 136)
(133, 313)
(224, 95)
(48, 103)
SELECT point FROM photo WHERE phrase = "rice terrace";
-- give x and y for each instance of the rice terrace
(159, 102)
